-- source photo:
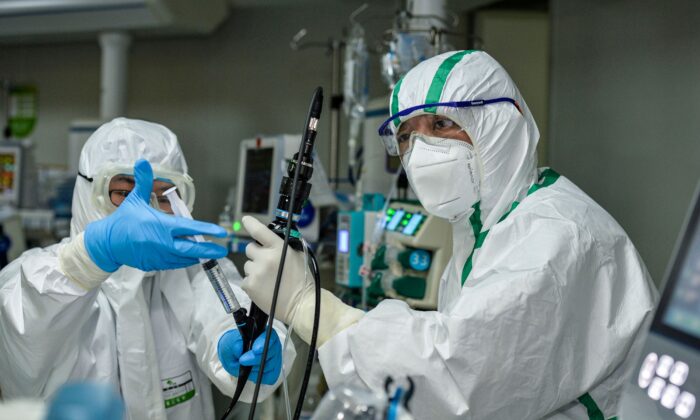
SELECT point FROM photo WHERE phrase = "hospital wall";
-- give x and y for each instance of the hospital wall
(625, 112)
(212, 91)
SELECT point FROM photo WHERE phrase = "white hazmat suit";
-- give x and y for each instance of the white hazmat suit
(152, 335)
(545, 320)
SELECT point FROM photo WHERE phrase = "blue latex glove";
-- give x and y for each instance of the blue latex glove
(142, 237)
(230, 348)
(89, 401)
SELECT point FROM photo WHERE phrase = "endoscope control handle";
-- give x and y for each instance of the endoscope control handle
(250, 328)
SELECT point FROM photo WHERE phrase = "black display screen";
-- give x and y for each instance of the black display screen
(258, 176)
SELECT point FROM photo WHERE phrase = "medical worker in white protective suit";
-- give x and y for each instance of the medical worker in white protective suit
(541, 304)
(82, 310)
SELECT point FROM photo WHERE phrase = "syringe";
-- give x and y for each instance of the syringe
(211, 267)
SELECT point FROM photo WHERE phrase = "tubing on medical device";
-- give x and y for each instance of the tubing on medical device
(211, 267)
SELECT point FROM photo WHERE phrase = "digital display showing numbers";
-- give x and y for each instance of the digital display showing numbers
(402, 221)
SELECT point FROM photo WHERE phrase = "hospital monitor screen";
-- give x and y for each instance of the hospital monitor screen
(258, 178)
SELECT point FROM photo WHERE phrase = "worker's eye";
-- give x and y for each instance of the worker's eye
(444, 124)
(402, 138)
(119, 193)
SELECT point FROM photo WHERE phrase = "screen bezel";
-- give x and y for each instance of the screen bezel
(680, 255)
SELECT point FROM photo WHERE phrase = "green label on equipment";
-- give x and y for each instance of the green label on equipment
(22, 110)
(178, 389)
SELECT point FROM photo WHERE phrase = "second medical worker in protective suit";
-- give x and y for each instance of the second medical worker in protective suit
(542, 301)
(94, 307)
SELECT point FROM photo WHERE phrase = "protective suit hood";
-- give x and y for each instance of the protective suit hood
(121, 141)
(504, 135)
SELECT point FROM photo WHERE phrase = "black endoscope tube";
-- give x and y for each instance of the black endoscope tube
(314, 335)
(291, 201)
(304, 160)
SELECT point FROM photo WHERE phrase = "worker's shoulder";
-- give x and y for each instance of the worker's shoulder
(39, 251)
(32, 257)
(565, 202)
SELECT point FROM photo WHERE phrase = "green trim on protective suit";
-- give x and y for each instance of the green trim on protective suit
(440, 78)
(547, 178)
(475, 221)
(395, 102)
(594, 412)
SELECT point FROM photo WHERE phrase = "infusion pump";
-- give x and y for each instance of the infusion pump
(418, 247)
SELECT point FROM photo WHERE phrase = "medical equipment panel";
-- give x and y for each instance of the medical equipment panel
(262, 163)
(418, 247)
(665, 381)
(351, 227)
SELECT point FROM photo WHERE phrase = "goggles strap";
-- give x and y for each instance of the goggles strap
(87, 178)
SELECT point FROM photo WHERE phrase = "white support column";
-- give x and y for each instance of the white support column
(115, 49)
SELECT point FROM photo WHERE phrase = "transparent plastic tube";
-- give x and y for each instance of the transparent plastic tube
(308, 288)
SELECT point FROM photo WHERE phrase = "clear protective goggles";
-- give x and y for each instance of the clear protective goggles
(112, 184)
(399, 142)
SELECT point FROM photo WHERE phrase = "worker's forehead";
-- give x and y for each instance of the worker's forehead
(123, 178)
(129, 179)
(423, 119)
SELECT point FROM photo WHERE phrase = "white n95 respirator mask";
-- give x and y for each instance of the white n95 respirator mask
(443, 173)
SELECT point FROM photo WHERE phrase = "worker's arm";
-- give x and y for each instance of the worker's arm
(47, 304)
(210, 322)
